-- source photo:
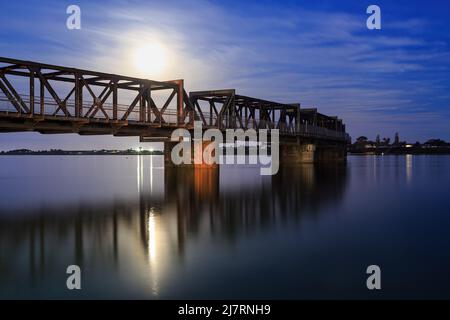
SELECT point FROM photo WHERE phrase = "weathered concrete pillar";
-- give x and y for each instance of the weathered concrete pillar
(312, 152)
(197, 156)
(331, 153)
(206, 159)
(294, 153)
(168, 146)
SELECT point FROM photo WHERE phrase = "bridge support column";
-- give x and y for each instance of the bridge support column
(311, 152)
(297, 153)
(196, 154)
(331, 153)
(168, 146)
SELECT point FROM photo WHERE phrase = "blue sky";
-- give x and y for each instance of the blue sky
(318, 53)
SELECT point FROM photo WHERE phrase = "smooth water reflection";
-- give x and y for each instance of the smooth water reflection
(139, 231)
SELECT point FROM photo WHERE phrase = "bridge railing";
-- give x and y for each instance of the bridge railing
(320, 132)
(50, 109)
(306, 130)
(170, 117)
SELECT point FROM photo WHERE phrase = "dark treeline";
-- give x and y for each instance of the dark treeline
(81, 152)
(363, 145)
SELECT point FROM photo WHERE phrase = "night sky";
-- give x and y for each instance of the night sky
(318, 53)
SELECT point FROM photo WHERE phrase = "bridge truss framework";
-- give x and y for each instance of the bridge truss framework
(69, 100)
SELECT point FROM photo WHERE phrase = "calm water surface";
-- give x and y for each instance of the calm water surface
(139, 231)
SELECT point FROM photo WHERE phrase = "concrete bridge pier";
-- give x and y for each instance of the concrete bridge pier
(335, 153)
(292, 153)
(198, 158)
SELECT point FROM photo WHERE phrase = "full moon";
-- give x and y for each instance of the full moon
(150, 59)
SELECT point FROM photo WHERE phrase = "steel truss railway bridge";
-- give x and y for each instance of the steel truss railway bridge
(53, 99)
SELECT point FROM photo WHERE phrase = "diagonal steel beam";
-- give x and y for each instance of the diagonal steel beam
(99, 101)
(154, 109)
(10, 97)
(100, 105)
(200, 112)
(52, 92)
(14, 93)
(166, 104)
(133, 104)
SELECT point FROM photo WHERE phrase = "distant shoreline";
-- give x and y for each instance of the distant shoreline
(364, 146)
(25, 152)
(400, 151)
